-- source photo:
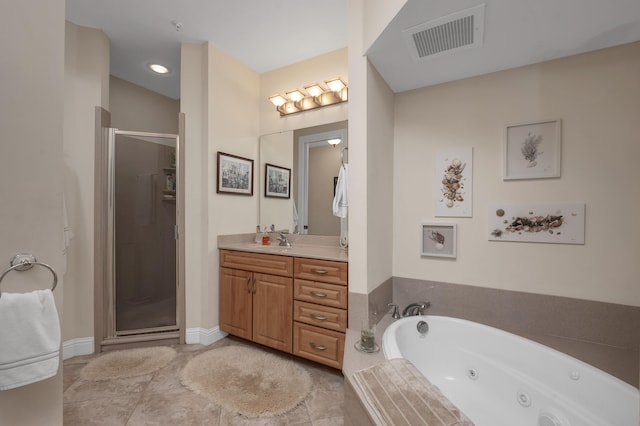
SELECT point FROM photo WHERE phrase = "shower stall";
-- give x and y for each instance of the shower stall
(141, 301)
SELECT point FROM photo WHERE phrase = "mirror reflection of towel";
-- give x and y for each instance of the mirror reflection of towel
(295, 216)
(340, 202)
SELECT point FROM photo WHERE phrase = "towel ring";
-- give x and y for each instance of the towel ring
(23, 262)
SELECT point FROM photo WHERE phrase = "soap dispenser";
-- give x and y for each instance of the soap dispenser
(266, 240)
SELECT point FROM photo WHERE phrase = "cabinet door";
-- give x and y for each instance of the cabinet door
(236, 302)
(272, 311)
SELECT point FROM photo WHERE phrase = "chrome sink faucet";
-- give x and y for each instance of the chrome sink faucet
(415, 309)
(284, 242)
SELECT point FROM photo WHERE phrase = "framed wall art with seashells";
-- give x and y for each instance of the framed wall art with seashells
(438, 239)
(532, 150)
(537, 223)
(454, 183)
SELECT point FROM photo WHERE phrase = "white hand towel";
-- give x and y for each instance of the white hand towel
(29, 338)
(340, 202)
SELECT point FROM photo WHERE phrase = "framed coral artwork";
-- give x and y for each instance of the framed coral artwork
(532, 150)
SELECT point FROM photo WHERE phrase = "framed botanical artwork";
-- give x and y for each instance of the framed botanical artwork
(454, 183)
(235, 174)
(532, 150)
(438, 239)
(277, 181)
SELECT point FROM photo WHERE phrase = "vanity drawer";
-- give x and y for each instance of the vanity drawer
(327, 271)
(318, 344)
(321, 316)
(315, 292)
(257, 262)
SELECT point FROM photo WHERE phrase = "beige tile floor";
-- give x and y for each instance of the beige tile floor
(160, 398)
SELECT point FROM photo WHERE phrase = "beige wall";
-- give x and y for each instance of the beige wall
(380, 174)
(276, 149)
(597, 96)
(31, 167)
(370, 160)
(193, 102)
(233, 128)
(86, 86)
(135, 108)
(376, 16)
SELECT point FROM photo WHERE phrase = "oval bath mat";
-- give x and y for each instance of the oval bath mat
(128, 363)
(248, 381)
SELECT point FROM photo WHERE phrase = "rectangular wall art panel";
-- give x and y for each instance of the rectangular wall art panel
(454, 183)
(537, 223)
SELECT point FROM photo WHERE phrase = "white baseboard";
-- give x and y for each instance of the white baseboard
(85, 345)
(77, 347)
(203, 336)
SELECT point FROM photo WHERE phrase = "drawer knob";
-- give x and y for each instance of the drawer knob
(318, 347)
(318, 317)
(318, 294)
(319, 271)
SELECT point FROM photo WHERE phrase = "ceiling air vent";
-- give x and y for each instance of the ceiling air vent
(460, 30)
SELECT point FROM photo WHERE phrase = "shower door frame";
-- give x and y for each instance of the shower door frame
(106, 335)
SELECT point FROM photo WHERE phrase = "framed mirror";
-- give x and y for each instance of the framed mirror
(314, 165)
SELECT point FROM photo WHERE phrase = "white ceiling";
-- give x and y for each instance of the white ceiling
(269, 34)
(516, 33)
(262, 34)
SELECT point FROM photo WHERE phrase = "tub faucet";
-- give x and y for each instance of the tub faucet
(415, 309)
(396, 313)
(283, 240)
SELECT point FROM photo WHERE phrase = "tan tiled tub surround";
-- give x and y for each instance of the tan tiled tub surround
(605, 335)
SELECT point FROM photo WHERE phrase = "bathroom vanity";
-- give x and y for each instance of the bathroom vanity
(293, 299)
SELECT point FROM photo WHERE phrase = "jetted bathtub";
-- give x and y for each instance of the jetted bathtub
(499, 379)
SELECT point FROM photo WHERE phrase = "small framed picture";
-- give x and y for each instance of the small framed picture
(532, 150)
(235, 174)
(438, 239)
(277, 181)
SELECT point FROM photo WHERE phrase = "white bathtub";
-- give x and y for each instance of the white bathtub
(500, 379)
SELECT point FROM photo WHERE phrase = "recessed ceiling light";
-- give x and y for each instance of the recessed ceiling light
(157, 68)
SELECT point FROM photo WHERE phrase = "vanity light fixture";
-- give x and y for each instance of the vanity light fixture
(295, 95)
(314, 90)
(314, 96)
(159, 69)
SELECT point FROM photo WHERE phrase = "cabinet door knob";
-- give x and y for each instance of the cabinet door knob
(253, 289)
(318, 294)
(319, 271)
(318, 347)
(247, 285)
(318, 317)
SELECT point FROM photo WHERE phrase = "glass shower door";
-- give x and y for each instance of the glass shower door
(143, 224)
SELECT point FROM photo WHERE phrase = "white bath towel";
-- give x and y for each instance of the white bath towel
(295, 217)
(340, 201)
(29, 338)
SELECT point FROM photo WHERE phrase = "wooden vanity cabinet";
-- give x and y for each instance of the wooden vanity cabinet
(256, 297)
(320, 310)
